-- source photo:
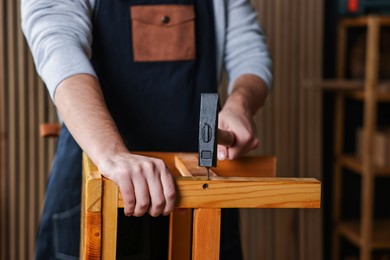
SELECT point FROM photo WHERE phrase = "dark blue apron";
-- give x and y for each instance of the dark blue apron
(153, 58)
(155, 103)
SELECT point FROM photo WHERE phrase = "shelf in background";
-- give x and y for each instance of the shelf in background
(352, 163)
(355, 88)
(342, 85)
(359, 95)
(381, 233)
(363, 21)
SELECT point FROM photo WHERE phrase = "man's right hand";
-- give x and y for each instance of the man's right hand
(145, 183)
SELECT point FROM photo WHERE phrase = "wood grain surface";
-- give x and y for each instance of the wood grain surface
(207, 230)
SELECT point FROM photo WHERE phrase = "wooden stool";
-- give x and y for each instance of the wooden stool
(199, 231)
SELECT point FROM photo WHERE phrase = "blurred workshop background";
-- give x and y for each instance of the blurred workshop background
(331, 81)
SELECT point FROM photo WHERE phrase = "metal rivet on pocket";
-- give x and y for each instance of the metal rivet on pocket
(165, 19)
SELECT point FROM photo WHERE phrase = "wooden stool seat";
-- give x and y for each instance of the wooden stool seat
(194, 232)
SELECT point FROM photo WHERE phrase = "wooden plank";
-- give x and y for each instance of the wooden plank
(93, 225)
(180, 226)
(337, 172)
(360, 95)
(350, 85)
(91, 212)
(342, 84)
(369, 125)
(363, 20)
(283, 105)
(253, 166)
(187, 164)
(12, 131)
(33, 144)
(93, 192)
(313, 223)
(3, 141)
(338, 140)
(249, 166)
(207, 225)
(247, 192)
(180, 234)
(354, 164)
(83, 239)
(93, 184)
(302, 105)
(22, 140)
(291, 244)
(291, 75)
(44, 172)
(381, 234)
(110, 217)
(167, 157)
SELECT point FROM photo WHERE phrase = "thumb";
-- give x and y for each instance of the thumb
(222, 152)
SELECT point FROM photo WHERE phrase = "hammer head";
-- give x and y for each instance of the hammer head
(208, 126)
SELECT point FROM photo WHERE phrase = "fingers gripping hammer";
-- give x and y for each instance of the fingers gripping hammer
(209, 134)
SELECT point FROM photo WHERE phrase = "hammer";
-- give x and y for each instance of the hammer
(209, 134)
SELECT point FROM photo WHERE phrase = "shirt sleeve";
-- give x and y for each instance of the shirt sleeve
(59, 36)
(245, 48)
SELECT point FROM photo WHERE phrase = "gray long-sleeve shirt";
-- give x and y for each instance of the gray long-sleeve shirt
(59, 33)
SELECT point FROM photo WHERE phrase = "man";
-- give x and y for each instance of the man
(126, 75)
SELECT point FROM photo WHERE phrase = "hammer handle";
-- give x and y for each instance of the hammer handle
(226, 138)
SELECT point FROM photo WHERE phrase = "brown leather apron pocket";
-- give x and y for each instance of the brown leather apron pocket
(163, 32)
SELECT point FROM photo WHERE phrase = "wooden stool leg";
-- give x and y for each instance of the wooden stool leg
(91, 215)
(180, 231)
(110, 220)
(93, 239)
(206, 236)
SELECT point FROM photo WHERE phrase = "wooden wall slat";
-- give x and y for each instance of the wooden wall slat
(301, 107)
(33, 135)
(22, 138)
(41, 143)
(284, 219)
(260, 223)
(12, 129)
(3, 152)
